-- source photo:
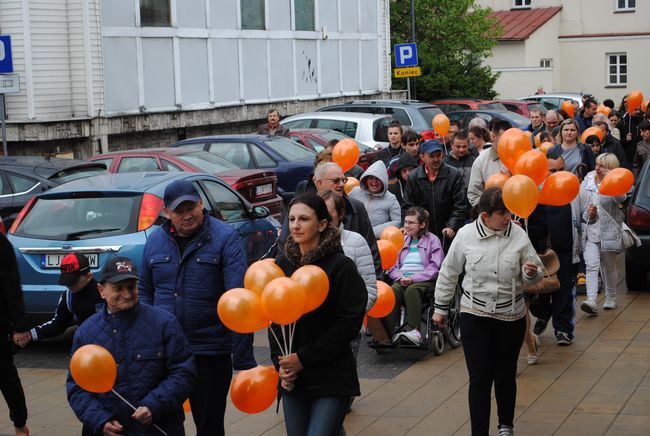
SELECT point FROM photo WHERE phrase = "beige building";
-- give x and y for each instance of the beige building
(593, 46)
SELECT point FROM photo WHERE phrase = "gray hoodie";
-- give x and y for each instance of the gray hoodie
(383, 208)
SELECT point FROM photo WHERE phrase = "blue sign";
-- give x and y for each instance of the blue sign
(6, 64)
(406, 55)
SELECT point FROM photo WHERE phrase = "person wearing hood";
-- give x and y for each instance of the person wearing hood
(405, 165)
(383, 208)
(609, 144)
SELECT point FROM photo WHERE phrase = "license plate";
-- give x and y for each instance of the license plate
(54, 260)
(263, 189)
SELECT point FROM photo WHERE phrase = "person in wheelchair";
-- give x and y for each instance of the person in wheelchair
(414, 273)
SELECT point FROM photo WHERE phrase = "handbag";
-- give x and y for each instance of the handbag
(630, 238)
(550, 282)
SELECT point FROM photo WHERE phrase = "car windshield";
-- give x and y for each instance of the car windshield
(207, 162)
(328, 136)
(429, 113)
(67, 219)
(289, 150)
(71, 174)
(492, 106)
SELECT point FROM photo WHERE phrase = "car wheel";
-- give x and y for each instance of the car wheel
(636, 277)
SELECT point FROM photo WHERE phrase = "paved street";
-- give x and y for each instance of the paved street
(599, 385)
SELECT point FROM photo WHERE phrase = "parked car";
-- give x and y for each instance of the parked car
(448, 105)
(259, 187)
(466, 116)
(410, 113)
(22, 177)
(523, 107)
(317, 140)
(369, 129)
(112, 215)
(554, 101)
(291, 161)
(637, 259)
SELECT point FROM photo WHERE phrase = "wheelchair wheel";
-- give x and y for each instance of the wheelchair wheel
(437, 343)
(452, 332)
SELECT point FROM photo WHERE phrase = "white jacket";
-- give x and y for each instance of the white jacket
(356, 248)
(494, 279)
(486, 164)
(606, 227)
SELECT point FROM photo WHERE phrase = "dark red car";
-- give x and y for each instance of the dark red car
(259, 187)
(317, 140)
(462, 104)
(522, 107)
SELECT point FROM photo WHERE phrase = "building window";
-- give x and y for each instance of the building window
(155, 13)
(624, 5)
(252, 14)
(545, 63)
(521, 4)
(617, 68)
(304, 14)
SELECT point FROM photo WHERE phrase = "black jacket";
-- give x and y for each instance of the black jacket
(322, 337)
(12, 306)
(613, 145)
(626, 126)
(445, 198)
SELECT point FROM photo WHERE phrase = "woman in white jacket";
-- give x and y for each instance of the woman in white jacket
(498, 261)
(602, 237)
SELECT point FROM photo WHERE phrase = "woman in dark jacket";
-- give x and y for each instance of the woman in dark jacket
(319, 375)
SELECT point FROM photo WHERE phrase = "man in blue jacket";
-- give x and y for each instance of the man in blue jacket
(188, 263)
(155, 367)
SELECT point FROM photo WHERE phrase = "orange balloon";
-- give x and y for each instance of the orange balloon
(93, 368)
(520, 195)
(259, 274)
(385, 301)
(268, 259)
(644, 106)
(602, 109)
(346, 154)
(592, 131)
(440, 124)
(529, 135)
(255, 390)
(241, 311)
(634, 101)
(545, 147)
(538, 139)
(496, 179)
(388, 253)
(186, 406)
(568, 108)
(560, 188)
(512, 144)
(394, 236)
(533, 164)
(617, 182)
(316, 284)
(352, 183)
(283, 300)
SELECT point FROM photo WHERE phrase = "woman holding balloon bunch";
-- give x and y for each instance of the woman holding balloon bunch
(319, 375)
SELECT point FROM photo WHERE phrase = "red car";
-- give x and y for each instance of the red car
(522, 107)
(259, 187)
(463, 104)
(317, 140)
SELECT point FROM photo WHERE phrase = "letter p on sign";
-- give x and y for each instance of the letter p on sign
(6, 65)
(406, 55)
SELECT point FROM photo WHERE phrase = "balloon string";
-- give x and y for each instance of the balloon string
(277, 340)
(284, 338)
(526, 224)
(292, 330)
(133, 407)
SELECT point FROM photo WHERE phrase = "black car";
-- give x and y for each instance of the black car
(637, 259)
(466, 116)
(22, 177)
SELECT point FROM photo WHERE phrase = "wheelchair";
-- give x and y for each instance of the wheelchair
(433, 337)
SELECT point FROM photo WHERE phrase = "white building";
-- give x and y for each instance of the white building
(594, 46)
(122, 73)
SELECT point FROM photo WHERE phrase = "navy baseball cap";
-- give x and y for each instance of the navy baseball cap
(73, 266)
(178, 192)
(119, 268)
(431, 146)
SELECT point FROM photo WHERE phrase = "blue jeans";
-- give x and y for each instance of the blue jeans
(317, 416)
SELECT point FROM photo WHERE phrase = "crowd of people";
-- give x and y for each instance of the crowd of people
(161, 325)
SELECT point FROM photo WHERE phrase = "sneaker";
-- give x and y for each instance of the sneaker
(506, 430)
(610, 303)
(581, 284)
(563, 338)
(590, 307)
(540, 326)
(412, 337)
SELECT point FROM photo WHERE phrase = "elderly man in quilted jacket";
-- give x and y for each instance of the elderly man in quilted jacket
(156, 370)
(188, 263)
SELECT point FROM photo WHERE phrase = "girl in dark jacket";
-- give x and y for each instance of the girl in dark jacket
(320, 375)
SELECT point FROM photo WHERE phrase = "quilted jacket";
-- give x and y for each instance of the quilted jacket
(155, 369)
(190, 286)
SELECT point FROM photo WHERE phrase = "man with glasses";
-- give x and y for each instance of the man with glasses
(586, 116)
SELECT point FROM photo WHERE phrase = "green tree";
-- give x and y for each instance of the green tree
(453, 37)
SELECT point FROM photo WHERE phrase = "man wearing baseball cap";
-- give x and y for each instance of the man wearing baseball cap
(156, 371)
(76, 304)
(188, 263)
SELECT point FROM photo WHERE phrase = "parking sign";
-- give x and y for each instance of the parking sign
(406, 55)
(6, 64)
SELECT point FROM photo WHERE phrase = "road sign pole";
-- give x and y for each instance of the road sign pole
(408, 89)
(413, 41)
(4, 125)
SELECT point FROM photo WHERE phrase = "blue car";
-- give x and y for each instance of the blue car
(114, 214)
(291, 161)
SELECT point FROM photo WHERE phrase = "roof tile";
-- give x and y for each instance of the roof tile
(518, 25)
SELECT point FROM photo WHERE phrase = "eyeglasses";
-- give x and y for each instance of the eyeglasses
(411, 223)
(338, 180)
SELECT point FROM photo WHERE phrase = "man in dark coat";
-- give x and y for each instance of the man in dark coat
(273, 126)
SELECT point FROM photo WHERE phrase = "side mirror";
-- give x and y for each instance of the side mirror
(261, 212)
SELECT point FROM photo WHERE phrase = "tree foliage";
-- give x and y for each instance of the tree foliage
(453, 37)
